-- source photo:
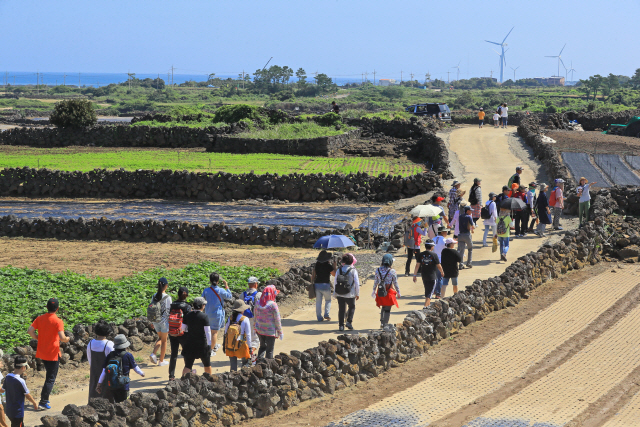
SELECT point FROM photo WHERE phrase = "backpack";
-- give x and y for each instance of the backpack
(473, 199)
(409, 240)
(175, 322)
(344, 282)
(484, 212)
(383, 290)
(115, 380)
(502, 227)
(236, 345)
(552, 197)
(499, 110)
(154, 310)
(510, 182)
(250, 300)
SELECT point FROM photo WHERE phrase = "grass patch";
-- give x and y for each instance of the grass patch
(191, 124)
(303, 130)
(89, 158)
(85, 299)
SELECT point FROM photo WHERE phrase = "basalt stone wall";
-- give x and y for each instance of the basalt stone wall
(601, 120)
(288, 379)
(530, 131)
(328, 146)
(217, 187)
(151, 231)
(433, 151)
(515, 119)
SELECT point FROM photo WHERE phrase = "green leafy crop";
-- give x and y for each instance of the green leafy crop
(86, 299)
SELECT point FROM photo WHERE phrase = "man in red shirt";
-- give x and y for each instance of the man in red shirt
(50, 334)
(521, 215)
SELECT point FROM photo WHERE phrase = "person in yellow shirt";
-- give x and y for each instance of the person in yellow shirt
(481, 118)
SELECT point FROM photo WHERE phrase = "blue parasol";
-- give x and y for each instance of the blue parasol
(333, 241)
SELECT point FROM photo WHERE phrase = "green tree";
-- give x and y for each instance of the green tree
(325, 84)
(302, 77)
(73, 113)
(635, 80)
(210, 78)
(393, 92)
(610, 84)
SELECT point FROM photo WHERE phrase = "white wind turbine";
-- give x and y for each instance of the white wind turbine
(458, 67)
(572, 70)
(559, 56)
(514, 72)
(503, 60)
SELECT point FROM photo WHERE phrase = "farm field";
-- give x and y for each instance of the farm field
(594, 142)
(85, 299)
(196, 160)
(616, 169)
(580, 165)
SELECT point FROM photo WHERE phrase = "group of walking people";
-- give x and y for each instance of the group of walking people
(500, 117)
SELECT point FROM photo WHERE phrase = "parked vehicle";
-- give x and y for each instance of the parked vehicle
(632, 128)
(439, 111)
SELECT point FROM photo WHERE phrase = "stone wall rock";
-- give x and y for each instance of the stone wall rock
(288, 379)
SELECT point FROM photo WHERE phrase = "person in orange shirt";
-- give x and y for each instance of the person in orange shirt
(50, 333)
(481, 118)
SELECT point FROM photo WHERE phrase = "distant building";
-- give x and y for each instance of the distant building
(550, 81)
(387, 82)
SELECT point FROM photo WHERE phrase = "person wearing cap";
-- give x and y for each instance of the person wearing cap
(559, 203)
(198, 337)
(464, 236)
(97, 351)
(386, 277)
(503, 239)
(414, 242)
(347, 302)
(268, 323)
(324, 268)
(439, 241)
(481, 117)
(455, 197)
(161, 327)
(475, 199)
(17, 391)
(506, 193)
(455, 223)
(430, 266)
(521, 216)
(450, 260)
(544, 213)
(250, 297)
(177, 338)
(237, 317)
(50, 333)
(585, 200)
(490, 223)
(531, 201)
(120, 345)
(515, 178)
(214, 308)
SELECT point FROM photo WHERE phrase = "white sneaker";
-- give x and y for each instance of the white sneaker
(213, 353)
(216, 347)
(163, 363)
(153, 358)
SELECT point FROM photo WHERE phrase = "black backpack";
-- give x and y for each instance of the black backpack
(383, 291)
(343, 284)
(473, 199)
(484, 212)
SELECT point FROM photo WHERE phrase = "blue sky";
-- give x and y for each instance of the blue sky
(337, 37)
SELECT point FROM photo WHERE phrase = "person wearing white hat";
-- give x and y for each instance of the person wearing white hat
(450, 261)
(238, 345)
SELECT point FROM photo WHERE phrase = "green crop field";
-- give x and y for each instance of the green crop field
(86, 299)
(89, 158)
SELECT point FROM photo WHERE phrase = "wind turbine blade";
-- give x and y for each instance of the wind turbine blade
(493, 42)
(550, 56)
(562, 62)
(505, 38)
(565, 45)
(498, 53)
(517, 67)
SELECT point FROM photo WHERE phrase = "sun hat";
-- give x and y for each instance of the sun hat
(199, 302)
(533, 184)
(324, 256)
(559, 181)
(454, 183)
(120, 342)
(481, 108)
(476, 180)
(442, 228)
(429, 242)
(239, 306)
(492, 194)
(519, 168)
(583, 179)
(449, 241)
(253, 279)
(387, 259)
(463, 203)
(417, 220)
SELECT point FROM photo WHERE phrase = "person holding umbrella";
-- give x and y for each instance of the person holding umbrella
(436, 219)
(544, 213)
(324, 268)
(504, 230)
(413, 241)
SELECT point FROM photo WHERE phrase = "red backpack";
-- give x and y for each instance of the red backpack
(175, 322)
(552, 197)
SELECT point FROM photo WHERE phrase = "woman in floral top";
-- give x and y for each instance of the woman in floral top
(268, 325)
(385, 274)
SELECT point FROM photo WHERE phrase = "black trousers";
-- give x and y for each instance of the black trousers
(410, 253)
(266, 346)
(522, 219)
(16, 422)
(343, 303)
(51, 368)
(175, 343)
(533, 221)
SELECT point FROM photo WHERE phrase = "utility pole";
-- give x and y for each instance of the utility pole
(362, 76)
(168, 77)
(242, 79)
(78, 80)
(400, 77)
(448, 77)
(64, 80)
(411, 74)
(491, 73)
(37, 82)
(172, 75)
(366, 76)
(374, 77)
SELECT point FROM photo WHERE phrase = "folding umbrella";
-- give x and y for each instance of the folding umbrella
(425, 211)
(333, 241)
(513, 204)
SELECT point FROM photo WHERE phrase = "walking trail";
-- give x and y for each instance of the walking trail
(484, 153)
